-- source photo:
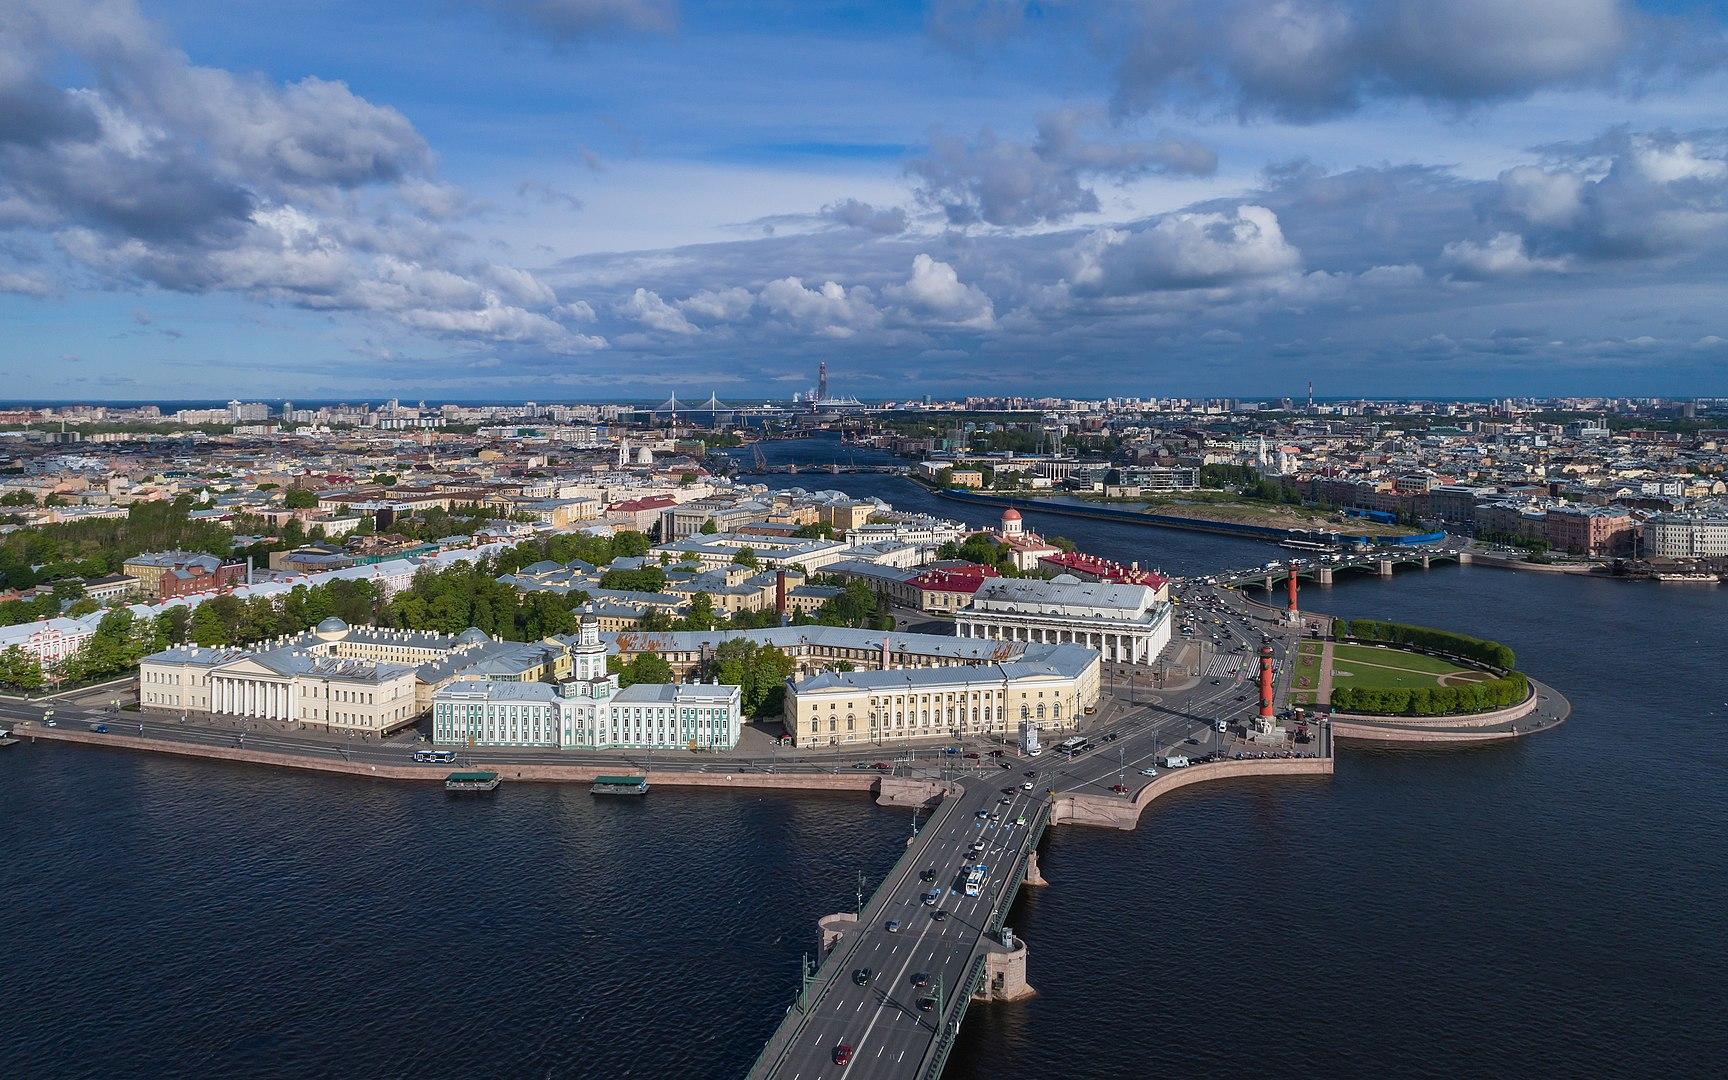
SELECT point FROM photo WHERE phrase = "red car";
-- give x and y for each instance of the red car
(881, 766)
(974, 757)
(1118, 789)
(842, 1054)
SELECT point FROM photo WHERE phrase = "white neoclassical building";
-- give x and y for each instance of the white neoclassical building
(1125, 623)
(587, 711)
(337, 677)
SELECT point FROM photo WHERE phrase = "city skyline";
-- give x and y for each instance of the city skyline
(580, 200)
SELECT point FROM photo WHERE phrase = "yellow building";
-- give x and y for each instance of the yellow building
(1049, 686)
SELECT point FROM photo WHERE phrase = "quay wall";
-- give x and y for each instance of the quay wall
(1116, 813)
(436, 773)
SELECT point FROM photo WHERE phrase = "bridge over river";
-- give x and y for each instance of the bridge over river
(928, 962)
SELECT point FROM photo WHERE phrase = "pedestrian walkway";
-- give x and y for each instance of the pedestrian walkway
(1323, 685)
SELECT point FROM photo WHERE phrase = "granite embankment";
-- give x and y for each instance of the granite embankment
(1124, 813)
(715, 776)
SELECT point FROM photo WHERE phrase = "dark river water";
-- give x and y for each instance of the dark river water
(1557, 907)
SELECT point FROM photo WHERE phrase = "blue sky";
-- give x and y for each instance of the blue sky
(464, 199)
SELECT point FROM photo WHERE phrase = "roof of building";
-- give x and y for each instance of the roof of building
(1062, 591)
(675, 693)
(1058, 661)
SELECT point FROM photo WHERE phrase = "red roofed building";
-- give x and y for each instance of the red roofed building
(639, 515)
(948, 587)
(1092, 568)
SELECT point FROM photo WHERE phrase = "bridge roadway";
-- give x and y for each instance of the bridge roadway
(1311, 567)
(890, 1036)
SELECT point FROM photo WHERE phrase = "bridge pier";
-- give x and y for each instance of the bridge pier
(1033, 876)
(1385, 567)
(1425, 559)
(1463, 558)
(1005, 971)
(1268, 582)
(829, 928)
(1325, 575)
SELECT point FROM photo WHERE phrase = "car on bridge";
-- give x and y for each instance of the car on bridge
(893, 926)
(863, 976)
(921, 979)
(842, 1054)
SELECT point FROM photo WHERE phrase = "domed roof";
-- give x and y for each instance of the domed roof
(1010, 514)
(331, 629)
(471, 636)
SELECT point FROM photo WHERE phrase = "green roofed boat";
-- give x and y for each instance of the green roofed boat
(471, 781)
(620, 785)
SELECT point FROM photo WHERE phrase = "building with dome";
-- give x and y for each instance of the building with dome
(336, 677)
(587, 710)
(1024, 548)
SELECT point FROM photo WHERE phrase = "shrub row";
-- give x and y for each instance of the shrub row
(1478, 649)
(1433, 700)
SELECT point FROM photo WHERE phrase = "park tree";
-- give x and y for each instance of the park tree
(21, 670)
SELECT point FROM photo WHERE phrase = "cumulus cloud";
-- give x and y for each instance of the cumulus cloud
(195, 179)
(1501, 255)
(1623, 196)
(566, 21)
(827, 310)
(1185, 251)
(649, 309)
(718, 305)
(1000, 181)
(1306, 60)
(935, 291)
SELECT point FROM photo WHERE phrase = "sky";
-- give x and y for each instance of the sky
(610, 199)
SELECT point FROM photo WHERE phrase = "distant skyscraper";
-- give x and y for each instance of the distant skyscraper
(822, 381)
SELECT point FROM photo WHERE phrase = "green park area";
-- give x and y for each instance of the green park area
(1376, 667)
(1372, 674)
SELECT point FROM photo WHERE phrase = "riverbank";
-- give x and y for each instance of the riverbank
(850, 780)
(1165, 521)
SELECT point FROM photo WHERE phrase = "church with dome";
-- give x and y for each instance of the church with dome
(366, 680)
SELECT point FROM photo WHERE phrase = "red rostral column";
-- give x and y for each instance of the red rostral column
(1265, 682)
(1292, 605)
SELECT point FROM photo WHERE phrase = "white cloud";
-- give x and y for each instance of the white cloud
(935, 291)
(828, 310)
(1503, 255)
(718, 305)
(1542, 197)
(647, 308)
(1186, 251)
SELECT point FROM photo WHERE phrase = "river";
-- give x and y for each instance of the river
(1553, 907)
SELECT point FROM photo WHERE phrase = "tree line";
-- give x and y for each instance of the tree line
(1491, 653)
(1451, 700)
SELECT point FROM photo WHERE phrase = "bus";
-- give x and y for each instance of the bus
(435, 756)
(1073, 745)
(975, 879)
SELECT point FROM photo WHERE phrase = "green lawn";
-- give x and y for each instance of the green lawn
(1307, 675)
(1367, 667)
